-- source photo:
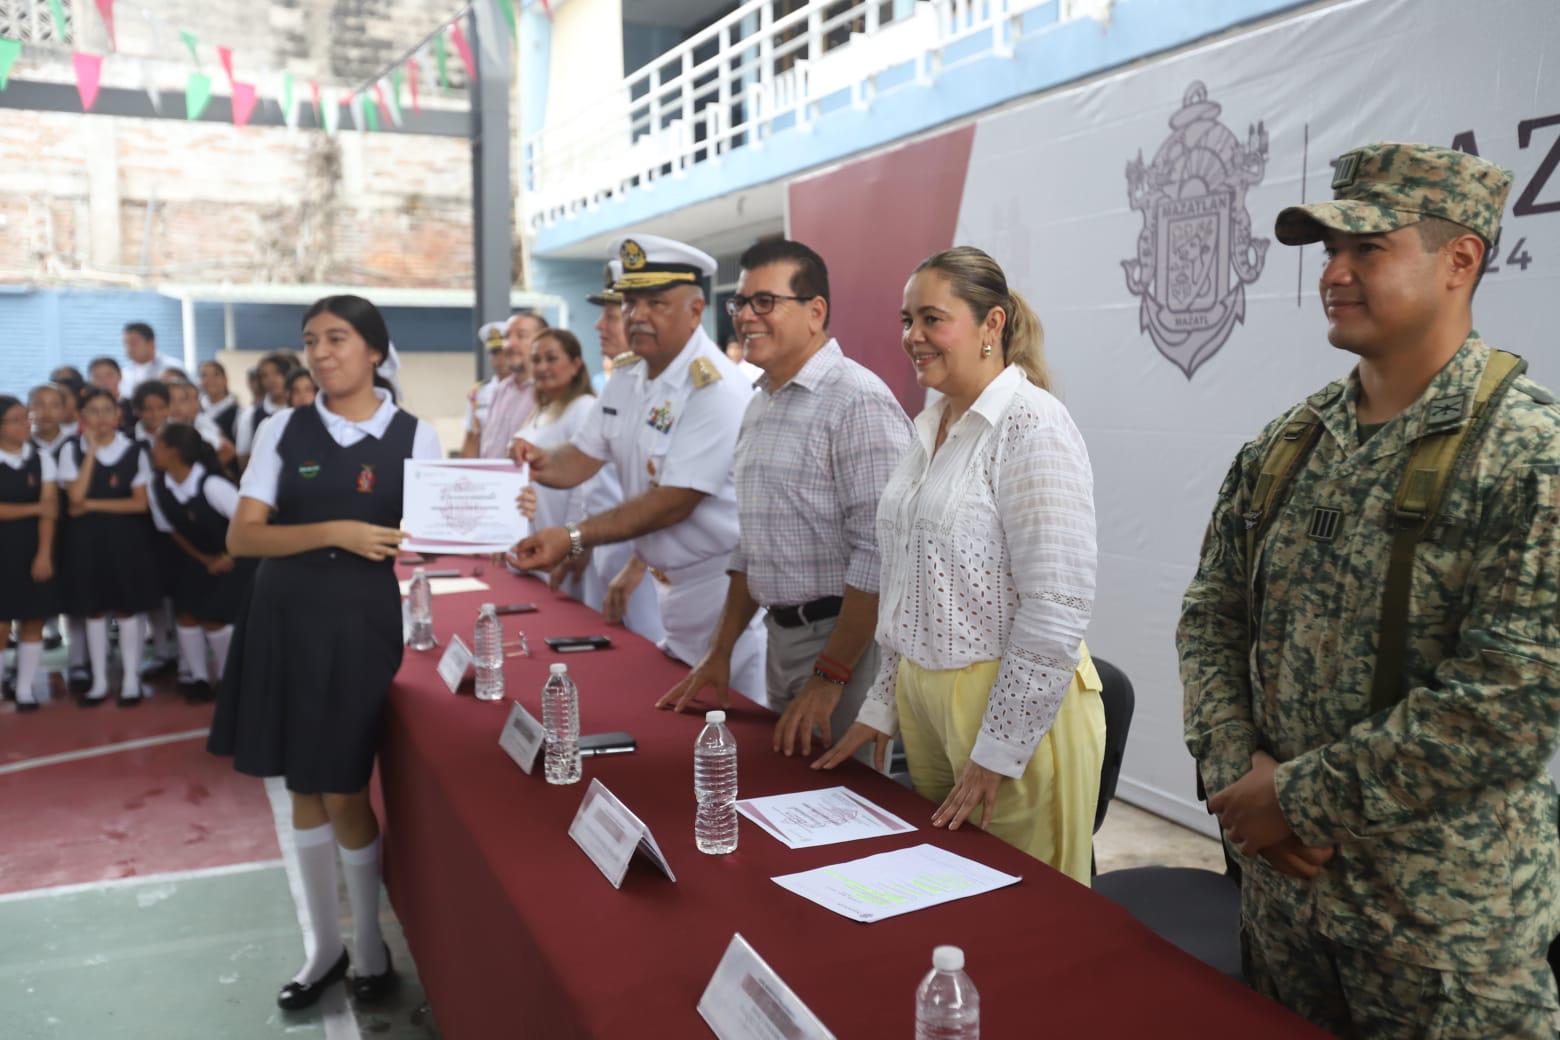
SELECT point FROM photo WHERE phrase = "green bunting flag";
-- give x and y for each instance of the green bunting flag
(395, 86)
(442, 58)
(9, 51)
(197, 94)
(57, 12)
(509, 16)
(289, 112)
(190, 42)
(370, 113)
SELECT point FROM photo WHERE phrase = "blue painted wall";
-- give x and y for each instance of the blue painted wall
(574, 280)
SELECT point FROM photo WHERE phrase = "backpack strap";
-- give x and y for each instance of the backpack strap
(1436, 458)
(1285, 455)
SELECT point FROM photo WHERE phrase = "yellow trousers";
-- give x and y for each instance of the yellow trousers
(1049, 811)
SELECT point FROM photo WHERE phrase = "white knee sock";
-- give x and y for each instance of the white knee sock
(27, 658)
(76, 642)
(192, 653)
(96, 631)
(132, 639)
(317, 868)
(362, 869)
(219, 641)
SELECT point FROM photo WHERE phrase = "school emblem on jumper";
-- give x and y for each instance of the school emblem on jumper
(661, 418)
(113, 480)
(1196, 232)
(365, 479)
(309, 470)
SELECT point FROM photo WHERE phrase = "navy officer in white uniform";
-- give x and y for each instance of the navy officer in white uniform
(668, 420)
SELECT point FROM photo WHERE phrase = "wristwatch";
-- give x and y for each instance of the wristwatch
(576, 541)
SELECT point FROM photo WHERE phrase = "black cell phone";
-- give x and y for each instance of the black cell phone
(577, 644)
(516, 608)
(607, 744)
(442, 574)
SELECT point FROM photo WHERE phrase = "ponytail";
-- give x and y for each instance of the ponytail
(1023, 341)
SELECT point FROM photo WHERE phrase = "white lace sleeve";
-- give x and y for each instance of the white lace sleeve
(1045, 502)
(879, 710)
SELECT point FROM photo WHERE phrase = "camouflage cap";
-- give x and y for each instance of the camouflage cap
(1383, 187)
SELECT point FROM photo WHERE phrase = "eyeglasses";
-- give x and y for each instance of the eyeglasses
(762, 303)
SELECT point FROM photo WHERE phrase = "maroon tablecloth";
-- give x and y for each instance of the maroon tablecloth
(517, 934)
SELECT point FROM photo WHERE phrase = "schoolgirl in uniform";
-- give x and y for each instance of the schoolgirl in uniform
(28, 507)
(319, 641)
(301, 388)
(108, 556)
(153, 401)
(217, 401)
(274, 369)
(192, 503)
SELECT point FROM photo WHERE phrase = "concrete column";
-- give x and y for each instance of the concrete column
(102, 155)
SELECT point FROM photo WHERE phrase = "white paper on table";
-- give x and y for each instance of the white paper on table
(894, 883)
(455, 663)
(746, 1000)
(610, 834)
(824, 817)
(462, 506)
(448, 586)
(522, 738)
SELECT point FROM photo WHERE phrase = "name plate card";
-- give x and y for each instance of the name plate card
(455, 663)
(522, 738)
(610, 835)
(746, 1000)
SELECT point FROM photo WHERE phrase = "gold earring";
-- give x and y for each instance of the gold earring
(985, 350)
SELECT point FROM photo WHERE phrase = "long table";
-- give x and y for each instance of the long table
(517, 934)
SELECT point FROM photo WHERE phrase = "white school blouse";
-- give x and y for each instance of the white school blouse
(989, 554)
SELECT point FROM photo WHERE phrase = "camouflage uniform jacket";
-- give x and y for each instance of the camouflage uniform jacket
(1441, 809)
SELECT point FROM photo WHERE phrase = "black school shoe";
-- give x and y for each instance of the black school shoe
(78, 679)
(198, 692)
(295, 996)
(25, 706)
(369, 989)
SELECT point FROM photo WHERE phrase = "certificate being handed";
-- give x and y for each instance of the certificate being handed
(463, 506)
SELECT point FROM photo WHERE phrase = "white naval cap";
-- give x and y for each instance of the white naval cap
(492, 334)
(609, 276)
(654, 262)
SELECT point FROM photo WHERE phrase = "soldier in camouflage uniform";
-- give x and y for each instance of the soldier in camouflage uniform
(1401, 868)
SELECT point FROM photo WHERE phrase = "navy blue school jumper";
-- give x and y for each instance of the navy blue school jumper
(21, 598)
(108, 558)
(319, 640)
(210, 598)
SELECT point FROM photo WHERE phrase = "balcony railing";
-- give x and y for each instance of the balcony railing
(748, 76)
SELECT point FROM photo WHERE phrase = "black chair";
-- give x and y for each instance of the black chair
(1554, 959)
(1119, 701)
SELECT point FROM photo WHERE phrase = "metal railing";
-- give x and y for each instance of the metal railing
(764, 68)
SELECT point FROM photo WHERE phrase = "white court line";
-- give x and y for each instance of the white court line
(339, 1020)
(110, 884)
(106, 749)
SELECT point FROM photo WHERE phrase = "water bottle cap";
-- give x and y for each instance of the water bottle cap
(559, 669)
(948, 958)
(420, 572)
(488, 608)
(714, 717)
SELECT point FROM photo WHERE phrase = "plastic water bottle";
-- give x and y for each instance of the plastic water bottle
(561, 721)
(489, 649)
(715, 786)
(419, 600)
(947, 1006)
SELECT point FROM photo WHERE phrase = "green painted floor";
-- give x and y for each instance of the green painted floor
(167, 959)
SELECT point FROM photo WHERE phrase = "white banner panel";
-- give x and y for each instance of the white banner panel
(1136, 214)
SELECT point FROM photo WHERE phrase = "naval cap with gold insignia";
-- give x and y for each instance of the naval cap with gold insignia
(609, 274)
(653, 262)
(492, 335)
(1386, 186)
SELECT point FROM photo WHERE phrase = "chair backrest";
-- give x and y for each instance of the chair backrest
(1118, 699)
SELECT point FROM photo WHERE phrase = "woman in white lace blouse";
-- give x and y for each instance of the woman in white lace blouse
(986, 530)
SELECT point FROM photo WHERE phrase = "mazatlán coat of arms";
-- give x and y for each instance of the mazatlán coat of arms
(1196, 232)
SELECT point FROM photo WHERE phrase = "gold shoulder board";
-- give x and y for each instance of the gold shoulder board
(704, 372)
(628, 357)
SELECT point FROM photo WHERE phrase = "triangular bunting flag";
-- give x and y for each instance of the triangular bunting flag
(89, 73)
(441, 57)
(197, 94)
(382, 105)
(458, 38)
(190, 42)
(57, 14)
(411, 83)
(509, 15)
(244, 99)
(9, 51)
(225, 55)
(370, 112)
(289, 106)
(395, 86)
(330, 115)
(319, 109)
(547, 9)
(355, 106)
(149, 84)
(106, 12)
(392, 106)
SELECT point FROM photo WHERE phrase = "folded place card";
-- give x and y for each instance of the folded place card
(610, 834)
(522, 738)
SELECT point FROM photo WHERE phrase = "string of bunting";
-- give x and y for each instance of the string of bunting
(371, 105)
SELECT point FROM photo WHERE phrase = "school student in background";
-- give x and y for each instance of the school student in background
(46, 408)
(108, 560)
(217, 401)
(77, 675)
(301, 388)
(319, 640)
(152, 408)
(192, 502)
(28, 507)
(104, 374)
(184, 407)
(274, 369)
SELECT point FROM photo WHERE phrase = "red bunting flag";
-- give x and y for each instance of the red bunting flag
(226, 55)
(244, 100)
(411, 82)
(89, 73)
(319, 109)
(379, 103)
(106, 12)
(458, 38)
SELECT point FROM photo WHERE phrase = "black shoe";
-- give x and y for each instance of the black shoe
(22, 706)
(129, 702)
(198, 692)
(295, 996)
(92, 702)
(53, 641)
(78, 679)
(368, 989)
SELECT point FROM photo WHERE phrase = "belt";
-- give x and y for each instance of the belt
(704, 570)
(807, 613)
